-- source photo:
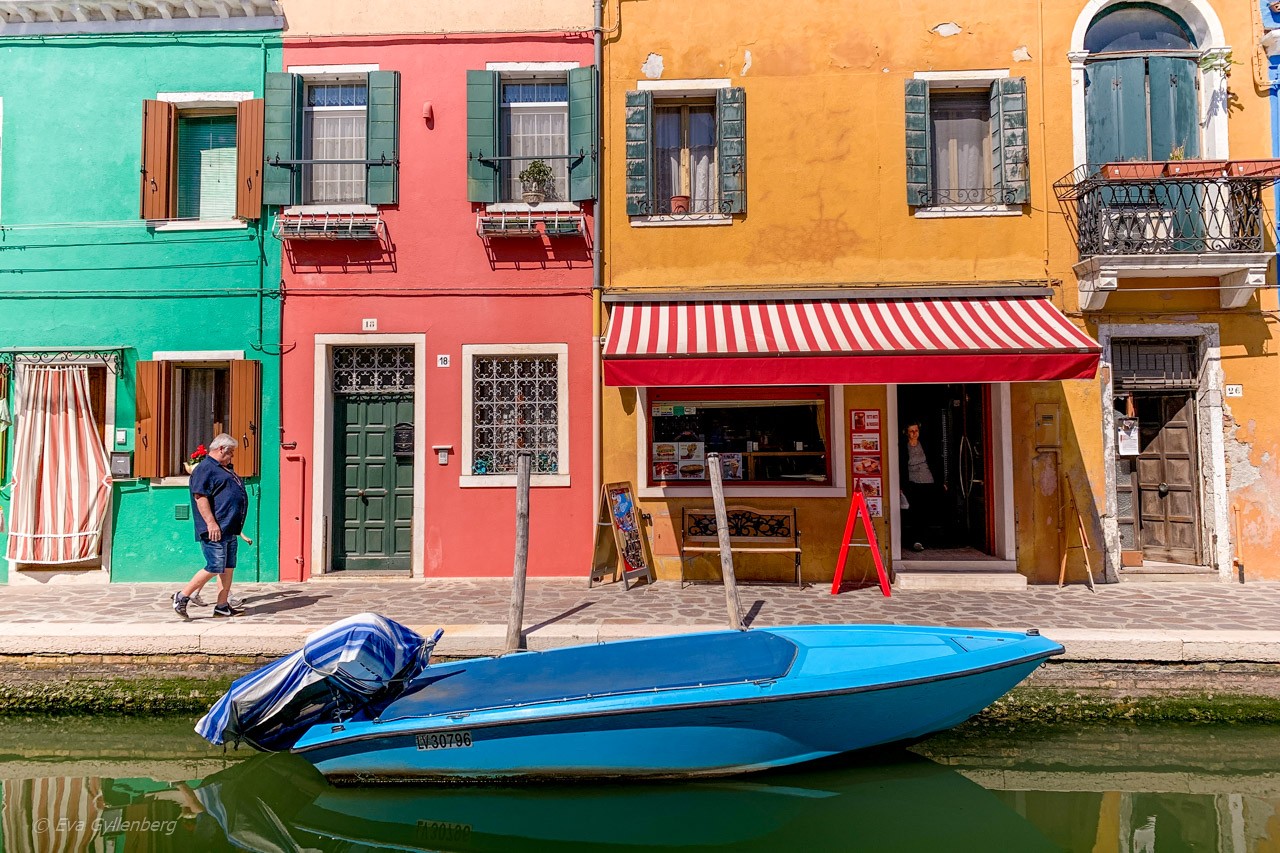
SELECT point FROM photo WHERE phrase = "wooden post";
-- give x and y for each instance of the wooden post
(515, 619)
(722, 533)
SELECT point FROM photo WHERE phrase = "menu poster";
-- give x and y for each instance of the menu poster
(866, 420)
(731, 465)
(865, 448)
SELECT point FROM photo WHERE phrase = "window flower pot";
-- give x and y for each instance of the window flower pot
(189, 467)
(1195, 168)
(680, 204)
(1254, 168)
(533, 197)
(1133, 170)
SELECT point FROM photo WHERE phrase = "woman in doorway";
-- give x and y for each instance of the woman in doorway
(918, 487)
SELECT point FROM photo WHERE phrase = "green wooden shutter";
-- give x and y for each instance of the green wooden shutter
(206, 167)
(584, 172)
(482, 136)
(639, 128)
(382, 137)
(918, 167)
(1009, 140)
(1116, 111)
(282, 137)
(731, 148)
(1174, 106)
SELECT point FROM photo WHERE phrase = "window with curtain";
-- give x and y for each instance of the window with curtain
(685, 155)
(535, 124)
(207, 166)
(201, 401)
(334, 129)
(775, 436)
(960, 130)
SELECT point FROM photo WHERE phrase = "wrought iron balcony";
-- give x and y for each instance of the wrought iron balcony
(1166, 226)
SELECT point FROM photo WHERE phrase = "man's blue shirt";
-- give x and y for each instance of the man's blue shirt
(226, 494)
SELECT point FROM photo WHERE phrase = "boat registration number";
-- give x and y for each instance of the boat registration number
(444, 740)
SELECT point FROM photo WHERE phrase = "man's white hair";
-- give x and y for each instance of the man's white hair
(222, 440)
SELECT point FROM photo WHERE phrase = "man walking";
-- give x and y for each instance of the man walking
(221, 505)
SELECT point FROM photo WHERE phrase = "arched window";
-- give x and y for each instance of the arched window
(1142, 99)
(1137, 27)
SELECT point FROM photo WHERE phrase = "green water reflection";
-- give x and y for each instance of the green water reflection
(150, 785)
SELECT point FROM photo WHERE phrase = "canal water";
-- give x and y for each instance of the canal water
(130, 784)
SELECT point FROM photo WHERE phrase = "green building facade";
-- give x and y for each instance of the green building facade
(176, 315)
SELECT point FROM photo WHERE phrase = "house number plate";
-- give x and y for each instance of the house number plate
(444, 740)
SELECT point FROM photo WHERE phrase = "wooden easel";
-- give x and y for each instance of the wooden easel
(858, 510)
(1073, 508)
(624, 543)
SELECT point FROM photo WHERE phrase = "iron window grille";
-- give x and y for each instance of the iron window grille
(1155, 363)
(373, 370)
(515, 406)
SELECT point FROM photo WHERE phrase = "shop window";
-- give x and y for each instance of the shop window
(763, 435)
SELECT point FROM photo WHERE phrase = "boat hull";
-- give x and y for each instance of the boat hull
(759, 727)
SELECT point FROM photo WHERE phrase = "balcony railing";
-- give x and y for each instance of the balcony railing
(1171, 224)
(1163, 215)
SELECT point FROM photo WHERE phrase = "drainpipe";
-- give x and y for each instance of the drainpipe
(597, 288)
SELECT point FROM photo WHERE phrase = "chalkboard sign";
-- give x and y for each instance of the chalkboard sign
(402, 443)
(618, 512)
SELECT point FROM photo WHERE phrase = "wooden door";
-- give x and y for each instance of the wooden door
(373, 488)
(1168, 478)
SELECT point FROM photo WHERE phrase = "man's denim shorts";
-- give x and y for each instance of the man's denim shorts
(219, 556)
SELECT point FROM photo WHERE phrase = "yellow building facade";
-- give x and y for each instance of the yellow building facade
(782, 180)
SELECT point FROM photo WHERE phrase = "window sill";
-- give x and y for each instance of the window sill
(959, 211)
(745, 491)
(683, 219)
(544, 207)
(312, 209)
(508, 481)
(164, 482)
(197, 224)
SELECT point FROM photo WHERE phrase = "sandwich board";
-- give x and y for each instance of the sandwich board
(858, 512)
(618, 512)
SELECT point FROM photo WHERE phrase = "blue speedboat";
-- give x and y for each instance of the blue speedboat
(689, 705)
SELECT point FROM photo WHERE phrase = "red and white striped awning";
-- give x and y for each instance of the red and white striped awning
(845, 342)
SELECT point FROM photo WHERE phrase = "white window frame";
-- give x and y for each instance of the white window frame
(837, 488)
(689, 88)
(194, 358)
(349, 73)
(941, 81)
(469, 353)
(532, 71)
(203, 101)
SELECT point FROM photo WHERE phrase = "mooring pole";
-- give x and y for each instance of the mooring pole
(515, 619)
(722, 533)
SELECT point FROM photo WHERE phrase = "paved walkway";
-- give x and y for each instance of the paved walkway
(1157, 622)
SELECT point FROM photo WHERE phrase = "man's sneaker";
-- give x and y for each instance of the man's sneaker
(180, 602)
(236, 603)
(225, 610)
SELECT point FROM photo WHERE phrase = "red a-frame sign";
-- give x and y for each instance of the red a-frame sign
(858, 510)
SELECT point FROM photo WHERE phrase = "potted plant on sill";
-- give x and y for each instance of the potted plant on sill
(1180, 167)
(194, 459)
(680, 204)
(1269, 168)
(536, 180)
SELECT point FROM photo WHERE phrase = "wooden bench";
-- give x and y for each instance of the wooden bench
(751, 531)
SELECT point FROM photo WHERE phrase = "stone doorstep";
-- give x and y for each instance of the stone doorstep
(246, 638)
(971, 580)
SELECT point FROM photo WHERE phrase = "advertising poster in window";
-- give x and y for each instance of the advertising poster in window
(865, 450)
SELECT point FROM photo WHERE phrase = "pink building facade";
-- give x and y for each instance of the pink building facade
(435, 322)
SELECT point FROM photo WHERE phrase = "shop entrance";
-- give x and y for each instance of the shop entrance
(952, 517)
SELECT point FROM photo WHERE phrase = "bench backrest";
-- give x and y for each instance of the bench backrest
(746, 525)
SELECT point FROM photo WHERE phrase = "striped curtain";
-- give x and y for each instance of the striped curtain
(61, 475)
(53, 815)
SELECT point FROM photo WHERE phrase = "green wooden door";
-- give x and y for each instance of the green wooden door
(373, 488)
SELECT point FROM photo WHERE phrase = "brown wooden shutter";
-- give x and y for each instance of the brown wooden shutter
(245, 427)
(150, 421)
(249, 116)
(159, 137)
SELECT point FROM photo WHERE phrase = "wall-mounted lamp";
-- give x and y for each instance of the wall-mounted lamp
(428, 112)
